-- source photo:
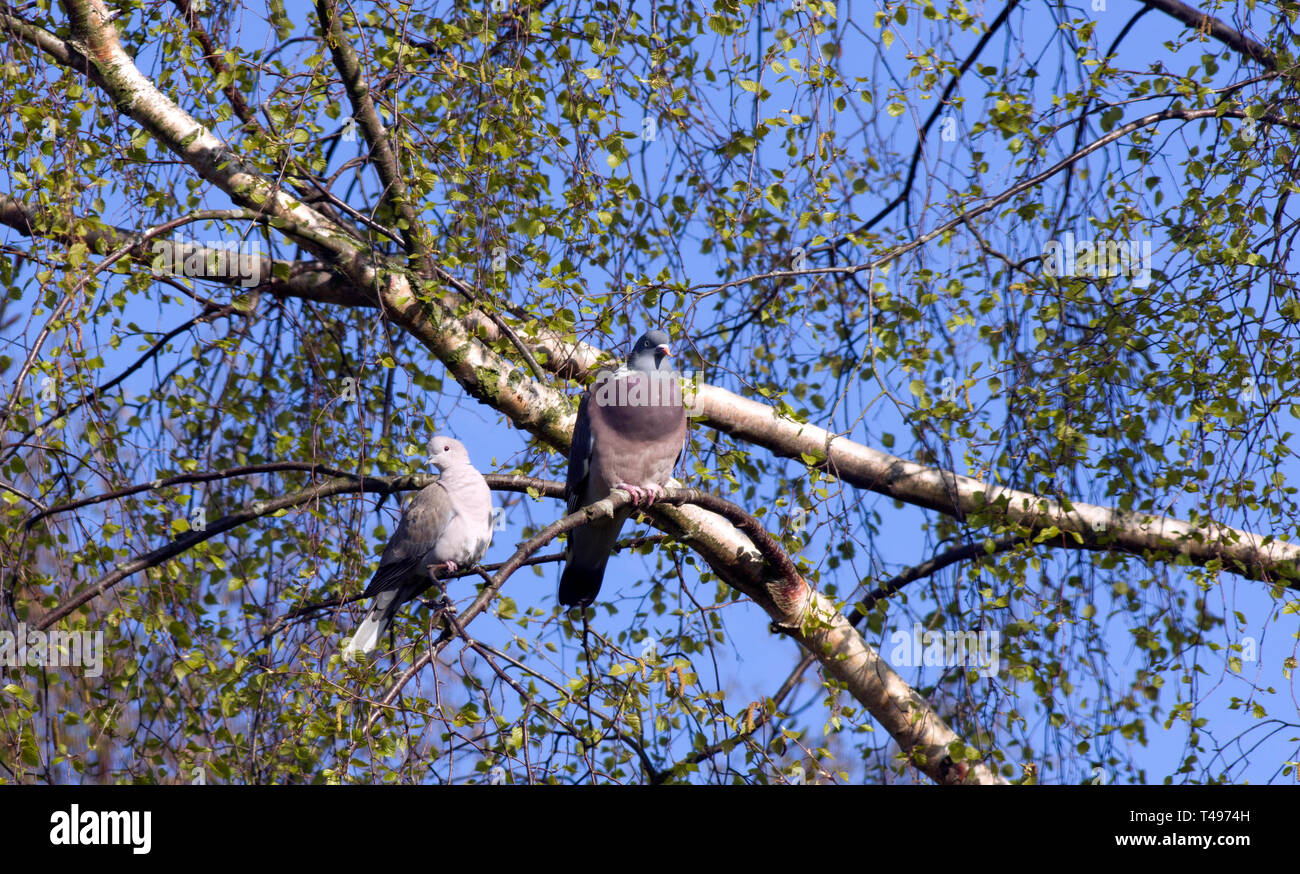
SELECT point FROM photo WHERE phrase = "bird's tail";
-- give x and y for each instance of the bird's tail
(580, 584)
(373, 627)
(585, 557)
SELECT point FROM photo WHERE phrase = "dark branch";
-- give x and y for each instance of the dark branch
(1208, 24)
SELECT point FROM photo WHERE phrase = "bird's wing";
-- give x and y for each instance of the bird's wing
(423, 523)
(575, 482)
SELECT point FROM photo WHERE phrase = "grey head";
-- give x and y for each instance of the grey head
(651, 352)
(446, 451)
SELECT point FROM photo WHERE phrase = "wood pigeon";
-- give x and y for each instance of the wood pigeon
(630, 434)
(445, 527)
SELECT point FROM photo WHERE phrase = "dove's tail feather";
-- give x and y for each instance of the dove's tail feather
(579, 585)
(585, 558)
(374, 626)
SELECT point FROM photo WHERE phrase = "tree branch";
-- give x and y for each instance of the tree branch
(940, 106)
(1211, 26)
(382, 155)
(305, 280)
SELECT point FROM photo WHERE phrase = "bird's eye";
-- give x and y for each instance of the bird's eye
(446, 449)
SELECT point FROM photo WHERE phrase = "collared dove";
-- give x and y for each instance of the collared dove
(445, 527)
(629, 435)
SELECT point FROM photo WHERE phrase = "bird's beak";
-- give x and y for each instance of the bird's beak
(665, 349)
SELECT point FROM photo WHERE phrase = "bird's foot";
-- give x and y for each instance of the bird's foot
(637, 493)
(446, 567)
(642, 496)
